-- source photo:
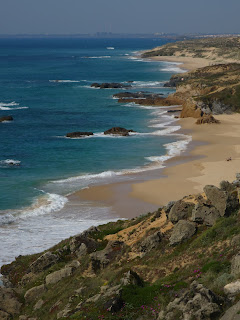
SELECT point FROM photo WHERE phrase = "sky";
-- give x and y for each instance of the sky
(119, 16)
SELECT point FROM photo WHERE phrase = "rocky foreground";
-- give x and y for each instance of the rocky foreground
(180, 262)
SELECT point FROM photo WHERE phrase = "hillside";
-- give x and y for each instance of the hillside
(217, 50)
(180, 262)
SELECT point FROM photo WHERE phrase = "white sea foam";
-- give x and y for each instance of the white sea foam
(65, 81)
(10, 105)
(102, 175)
(99, 57)
(9, 162)
(110, 48)
(143, 84)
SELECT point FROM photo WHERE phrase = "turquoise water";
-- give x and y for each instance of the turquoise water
(45, 110)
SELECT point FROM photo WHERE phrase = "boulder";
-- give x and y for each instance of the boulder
(225, 202)
(151, 242)
(235, 266)
(205, 214)
(180, 210)
(227, 186)
(207, 118)
(233, 288)
(168, 207)
(66, 312)
(114, 305)
(101, 259)
(236, 240)
(6, 118)
(67, 271)
(232, 313)
(182, 231)
(38, 305)
(9, 302)
(4, 315)
(78, 134)
(132, 278)
(44, 262)
(35, 293)
(118, 131)
(196, 303)
(82, 244)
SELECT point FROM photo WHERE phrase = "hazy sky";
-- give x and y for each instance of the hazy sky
(125, 16)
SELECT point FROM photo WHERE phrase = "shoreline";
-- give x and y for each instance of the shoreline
(185, 174)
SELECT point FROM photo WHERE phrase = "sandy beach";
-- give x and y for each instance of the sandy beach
(205, 164)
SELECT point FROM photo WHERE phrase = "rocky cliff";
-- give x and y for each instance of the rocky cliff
(180, 262)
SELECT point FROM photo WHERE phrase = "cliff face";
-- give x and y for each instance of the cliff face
(214, 89)
(180, 262)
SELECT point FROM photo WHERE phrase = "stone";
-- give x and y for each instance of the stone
(44, 262)
(114, 305)
(227, 186)
(82, 244)
(23, 317)
(66, 312)
(235, 265)
(118, 131)
(55, 306)
(4, 315)
(38, 305)
(101, 259)
(9, 302)
(78, 134)
(206, 118)
(205, 214)
(111, 85)
(180, 210)
(238, 176)
(232, 313)
(232, 288)
(235, 240)
(225, 203)
(151, 242)
(81, 251)
(132, 278)
(35, 293)
(6, 118)
(169, 206)
(196, 303)
(182, 231)
(57, 276)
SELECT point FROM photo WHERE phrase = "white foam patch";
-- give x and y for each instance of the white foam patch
(10, 162)
(172, 67)
(110, 48)
(10, 106)
(99, 57)
(143, 84)
(65, 81)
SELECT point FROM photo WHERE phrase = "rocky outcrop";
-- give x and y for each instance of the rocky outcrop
(180, 210)
(111, 85)
(44, 262)
(35, 293)
(207, 119)
(9, 303)
(235, 265)
(79, 134)
(197, 303)
(204, 213)
(67, 271)
(82, 244)
(225, 202)
(233, 288)
(118, 131)
(6, 118)
(232, 313)
(101, 259)
(182, 231)
(132, 278)
(137, 95)
(151, 242)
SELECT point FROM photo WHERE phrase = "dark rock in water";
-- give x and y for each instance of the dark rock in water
(182, 231)
(173, 110)
(112, 85)
(180, 210)
(119, 131)
(205, 214)
(78, 134)
(198, 303)
(137, 95)
(6, 118)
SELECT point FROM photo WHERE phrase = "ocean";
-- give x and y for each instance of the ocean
(45, 85)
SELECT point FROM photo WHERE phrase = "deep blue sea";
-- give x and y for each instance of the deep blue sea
(45, 86)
